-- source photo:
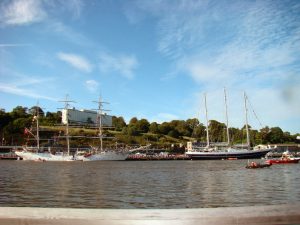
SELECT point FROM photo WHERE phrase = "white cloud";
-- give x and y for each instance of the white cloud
(20, 12)
(76, 61)
(28, 92)
(123, 64)
(202, 72)
(251, 46)
(13, 82)
(164, 117)
(13, 45)
(92, 85)
(63, 31)
(75, 6)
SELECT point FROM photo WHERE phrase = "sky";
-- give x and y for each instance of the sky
(155, 59)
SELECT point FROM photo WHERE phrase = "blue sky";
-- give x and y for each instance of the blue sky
(154, 59)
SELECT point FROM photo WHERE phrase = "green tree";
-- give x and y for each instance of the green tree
(183, 128)
(164, 128)
(276, 135)
(216, 131)
(15, 130)
(153, 128)
(132, 131)
(118, 123)
(236, 135)
(199, 132)
(265, 135)
(19, 112)
(173, 133)
(5, 118)
(51, 118)
(255, 137)
(133, 121)
(288, 137)
(36, 110)
(192, 123)
(142, 125)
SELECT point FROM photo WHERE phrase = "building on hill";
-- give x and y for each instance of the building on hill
(85, 117)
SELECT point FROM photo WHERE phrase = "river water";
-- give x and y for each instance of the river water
(146, 184)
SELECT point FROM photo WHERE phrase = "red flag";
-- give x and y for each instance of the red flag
(26, 131)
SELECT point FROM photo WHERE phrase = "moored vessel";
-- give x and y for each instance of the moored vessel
(213, 152)
(38, 154)
(286, 158)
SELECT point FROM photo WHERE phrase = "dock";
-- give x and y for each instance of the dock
(144, 157)
(272, 214)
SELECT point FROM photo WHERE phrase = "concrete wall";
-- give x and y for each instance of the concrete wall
(273, 214)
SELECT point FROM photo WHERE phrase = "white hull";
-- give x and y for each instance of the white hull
(45, 156)
(113, 154)
(108, 155)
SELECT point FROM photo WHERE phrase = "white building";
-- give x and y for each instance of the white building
(84, 116)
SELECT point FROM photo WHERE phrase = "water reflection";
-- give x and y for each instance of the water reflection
(151, 184)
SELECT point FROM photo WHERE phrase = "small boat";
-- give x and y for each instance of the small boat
(254, 165)
(286, 158)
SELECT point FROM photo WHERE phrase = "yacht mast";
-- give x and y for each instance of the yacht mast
(66, 101)
(226, 114)
(246, 114)
(207, 133)
(99, 117)
(37, 126)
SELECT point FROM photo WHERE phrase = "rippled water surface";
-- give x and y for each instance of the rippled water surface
(147, 184)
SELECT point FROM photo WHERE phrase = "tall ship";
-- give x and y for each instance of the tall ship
(101, 153)
(95, 153)
(217, 151)
(39, 154)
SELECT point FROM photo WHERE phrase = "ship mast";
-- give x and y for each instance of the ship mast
(207, 133)
(226, 114)
(246, 115)
(66, 101)
(37, 126)
(99, 118)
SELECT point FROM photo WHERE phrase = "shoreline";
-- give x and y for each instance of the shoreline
(269, 214)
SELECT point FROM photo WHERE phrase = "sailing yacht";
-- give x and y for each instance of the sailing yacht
(210, 153)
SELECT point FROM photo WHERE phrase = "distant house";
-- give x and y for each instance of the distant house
(85, 117)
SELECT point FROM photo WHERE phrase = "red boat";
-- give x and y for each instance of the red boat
(285, 159)
(282, 161)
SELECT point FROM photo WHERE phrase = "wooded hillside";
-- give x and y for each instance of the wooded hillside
(137, 131)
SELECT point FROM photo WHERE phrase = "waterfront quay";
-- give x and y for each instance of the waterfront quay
(145, 157)
(272, 214)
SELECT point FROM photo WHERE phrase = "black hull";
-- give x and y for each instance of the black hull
(227, 155)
